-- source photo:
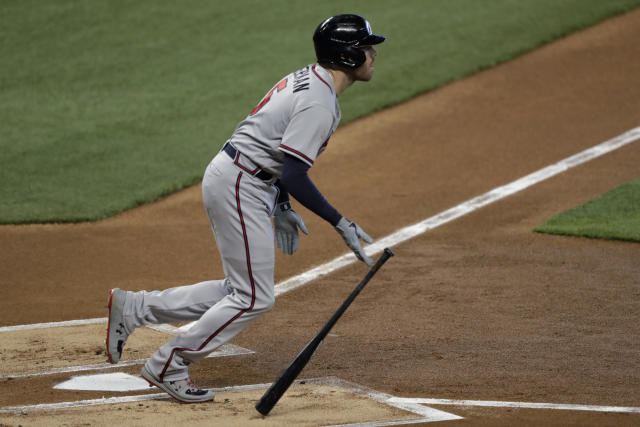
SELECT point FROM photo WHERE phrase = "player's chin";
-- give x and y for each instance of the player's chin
(364, 77)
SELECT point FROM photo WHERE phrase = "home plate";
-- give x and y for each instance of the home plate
(116, 381)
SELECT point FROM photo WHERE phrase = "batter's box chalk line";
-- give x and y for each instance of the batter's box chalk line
(424, 414)
(224, 350)
(518, 405)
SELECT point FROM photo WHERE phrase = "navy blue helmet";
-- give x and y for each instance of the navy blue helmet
(338, 40)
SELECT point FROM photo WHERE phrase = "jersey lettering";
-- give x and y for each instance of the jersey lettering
(280, 86)
(301, 80)
(295, 117)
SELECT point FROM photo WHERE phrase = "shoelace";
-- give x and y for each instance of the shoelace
(191, 386)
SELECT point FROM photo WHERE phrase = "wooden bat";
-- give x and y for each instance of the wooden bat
(278, 388)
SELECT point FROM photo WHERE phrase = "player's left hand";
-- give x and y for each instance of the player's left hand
(286, 222)
(352, 234)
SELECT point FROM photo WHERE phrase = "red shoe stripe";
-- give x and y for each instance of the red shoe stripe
(109, 326)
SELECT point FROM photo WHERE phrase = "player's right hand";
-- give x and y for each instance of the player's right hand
(286, 222)
(352, 233)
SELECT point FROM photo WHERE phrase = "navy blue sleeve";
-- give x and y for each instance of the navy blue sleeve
(296, 181)
(283, 195)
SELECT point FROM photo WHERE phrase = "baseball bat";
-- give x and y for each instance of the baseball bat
(278, 388)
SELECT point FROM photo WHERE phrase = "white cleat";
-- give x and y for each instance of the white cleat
(183, 391)
(116, 332)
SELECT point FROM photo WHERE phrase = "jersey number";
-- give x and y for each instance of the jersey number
(266, 99)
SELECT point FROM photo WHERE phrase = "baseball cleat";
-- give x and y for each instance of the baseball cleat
(116, 332)
(183, 391)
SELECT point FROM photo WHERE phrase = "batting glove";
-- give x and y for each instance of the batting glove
(286, 222)
(352, 233)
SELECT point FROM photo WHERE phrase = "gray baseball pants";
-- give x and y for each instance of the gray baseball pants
(239, 207)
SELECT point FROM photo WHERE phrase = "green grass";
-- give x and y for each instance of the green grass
(613, 215)
(105, 105)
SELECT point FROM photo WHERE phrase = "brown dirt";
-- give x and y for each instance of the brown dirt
(61, 347)
(481, 308)
(306, 405)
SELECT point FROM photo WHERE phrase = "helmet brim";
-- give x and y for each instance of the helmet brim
(372, 39)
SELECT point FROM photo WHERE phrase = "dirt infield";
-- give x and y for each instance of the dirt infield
(307, 404)
(481, 308)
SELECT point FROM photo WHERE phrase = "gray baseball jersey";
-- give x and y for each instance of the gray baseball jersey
(296, 117)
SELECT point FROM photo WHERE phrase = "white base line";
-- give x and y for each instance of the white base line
(414, 230)
(522, 405)
(464, 208)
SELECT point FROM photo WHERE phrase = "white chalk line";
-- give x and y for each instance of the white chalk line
(426, 414)
(520, 405)
(411, 231)
(81, 403)
(225, 350)
(464, 208)
(48, 325)
(413, 405)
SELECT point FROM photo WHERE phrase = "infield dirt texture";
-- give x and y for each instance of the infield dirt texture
(480, 308)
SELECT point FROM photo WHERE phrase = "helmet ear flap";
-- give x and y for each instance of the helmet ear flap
(352, 58)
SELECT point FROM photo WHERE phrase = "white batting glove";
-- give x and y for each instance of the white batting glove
(352, 233)
(286, 222)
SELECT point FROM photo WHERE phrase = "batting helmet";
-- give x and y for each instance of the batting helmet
(337, 40)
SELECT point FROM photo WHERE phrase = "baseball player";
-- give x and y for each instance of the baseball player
(265, 161)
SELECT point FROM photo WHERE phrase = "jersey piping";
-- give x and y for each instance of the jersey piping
(321, 79)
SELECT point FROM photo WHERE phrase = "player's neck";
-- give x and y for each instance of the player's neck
(341, 80)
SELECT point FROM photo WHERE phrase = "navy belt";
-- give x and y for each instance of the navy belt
(257, 172)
